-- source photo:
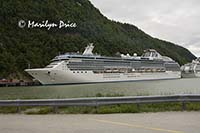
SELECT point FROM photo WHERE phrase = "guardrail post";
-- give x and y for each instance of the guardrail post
(138, 106)
(55, 109)
(18, 109)
(96, 105)
(18, 106)
(184, 106)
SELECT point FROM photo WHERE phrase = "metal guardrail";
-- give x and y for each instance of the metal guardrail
(98, 101)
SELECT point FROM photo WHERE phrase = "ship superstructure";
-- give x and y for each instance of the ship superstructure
(191, 70)
(73, 68)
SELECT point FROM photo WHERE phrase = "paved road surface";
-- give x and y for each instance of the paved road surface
(167, 122)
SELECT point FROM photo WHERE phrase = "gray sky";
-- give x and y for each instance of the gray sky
(177, 21)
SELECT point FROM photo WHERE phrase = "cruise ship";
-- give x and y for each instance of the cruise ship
(72, 68)
(191, 70)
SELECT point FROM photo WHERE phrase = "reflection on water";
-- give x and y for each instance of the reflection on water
(159, 87)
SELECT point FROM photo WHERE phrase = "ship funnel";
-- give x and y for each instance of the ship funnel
(88, 49)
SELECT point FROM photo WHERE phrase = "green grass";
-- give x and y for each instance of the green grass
(108, 109)
(193, 106)
(38, 110)
(8, 110)
(77, 110)
(133, 108)
(109, 95)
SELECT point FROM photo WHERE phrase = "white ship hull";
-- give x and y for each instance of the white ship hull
(89, 68)
(68, 77)
(190, 75)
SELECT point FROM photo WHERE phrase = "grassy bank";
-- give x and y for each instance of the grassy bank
(121, 108)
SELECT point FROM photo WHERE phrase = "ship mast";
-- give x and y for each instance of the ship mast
(88, 49)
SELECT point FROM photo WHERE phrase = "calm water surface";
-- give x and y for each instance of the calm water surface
(161, 87)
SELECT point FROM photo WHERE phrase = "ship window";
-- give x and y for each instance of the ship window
(73, 72)
(77, 71)
(85, 71)
(81, 72)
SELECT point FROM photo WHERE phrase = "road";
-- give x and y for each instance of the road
(165, 122)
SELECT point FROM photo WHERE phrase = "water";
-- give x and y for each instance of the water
(159, 87)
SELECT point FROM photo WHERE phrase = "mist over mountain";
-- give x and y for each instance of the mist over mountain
(36, 46)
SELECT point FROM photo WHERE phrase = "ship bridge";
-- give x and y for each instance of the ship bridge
(151, 54)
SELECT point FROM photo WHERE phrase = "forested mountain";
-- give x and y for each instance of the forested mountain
(37, 46)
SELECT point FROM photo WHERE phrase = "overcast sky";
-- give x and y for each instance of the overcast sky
(177, 21)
